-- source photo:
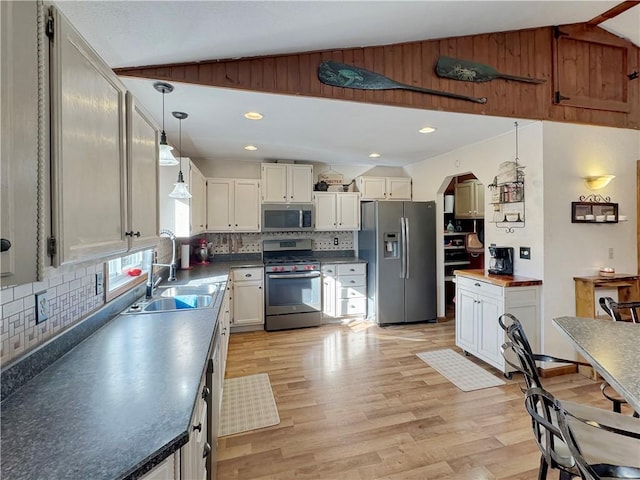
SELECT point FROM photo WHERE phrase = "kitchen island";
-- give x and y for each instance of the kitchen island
(118, 403)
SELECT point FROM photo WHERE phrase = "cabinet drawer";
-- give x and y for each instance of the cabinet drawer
(352, 306)
(480, 287)
(352, 280)
(352, 292)
(352, 269)
(328, 270)
(246, 274)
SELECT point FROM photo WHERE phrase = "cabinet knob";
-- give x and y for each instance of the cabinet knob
(206, 450)
(197, 427)
(247, 275)
(136, 234)
(477, 284)
(205, 392)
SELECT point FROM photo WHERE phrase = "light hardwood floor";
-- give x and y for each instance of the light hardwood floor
(356, 403)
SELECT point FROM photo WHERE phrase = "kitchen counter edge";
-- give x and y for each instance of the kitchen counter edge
(506, 281)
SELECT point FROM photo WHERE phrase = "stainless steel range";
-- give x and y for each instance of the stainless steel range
(293, 284)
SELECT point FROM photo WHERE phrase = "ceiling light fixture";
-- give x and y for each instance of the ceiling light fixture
(596, 182)
(374, 155)
(427, 130)
(180, 189)
(251, 148)
(253, 116)
(166, 157)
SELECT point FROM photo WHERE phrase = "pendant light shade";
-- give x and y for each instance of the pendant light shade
(166, 157)
(180, 189)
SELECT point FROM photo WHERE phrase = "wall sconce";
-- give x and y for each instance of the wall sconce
(597, 182)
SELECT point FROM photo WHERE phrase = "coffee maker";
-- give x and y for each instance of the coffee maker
(501, 261)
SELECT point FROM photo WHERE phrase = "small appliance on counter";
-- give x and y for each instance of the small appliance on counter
(501, 261)
(201, 252)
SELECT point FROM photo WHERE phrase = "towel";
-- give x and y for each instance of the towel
(186, 301)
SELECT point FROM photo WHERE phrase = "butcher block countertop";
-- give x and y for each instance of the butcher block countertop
(500, 280)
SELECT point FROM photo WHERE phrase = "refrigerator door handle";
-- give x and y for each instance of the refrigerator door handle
(407, 259)
(403, 257)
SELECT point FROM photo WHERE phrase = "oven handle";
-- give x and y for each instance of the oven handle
(303, 275)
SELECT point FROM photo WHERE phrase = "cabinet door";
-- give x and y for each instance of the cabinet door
(164, 471)
(89, 163)
(329, 295)
(246, 200)
(300, 183)
(490, 335)
(198, 200)
(373, 188)
(248, 303)
(479, 200)
(465, 319)
(464, 200)
(398, 188)
(348, 206)
(142, 154)
(325, 204)
(274, 183)
(220, 206)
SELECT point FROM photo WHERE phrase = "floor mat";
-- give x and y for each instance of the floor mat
(463, 373)
(247, 404)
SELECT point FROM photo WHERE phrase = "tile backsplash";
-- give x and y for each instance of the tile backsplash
(225, 243)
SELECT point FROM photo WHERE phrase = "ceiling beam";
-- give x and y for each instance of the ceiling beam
(613, 12)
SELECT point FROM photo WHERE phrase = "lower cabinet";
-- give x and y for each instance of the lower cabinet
(248, 296)
(165, 471)
(344, 289)
(193, 456)
(478, 306)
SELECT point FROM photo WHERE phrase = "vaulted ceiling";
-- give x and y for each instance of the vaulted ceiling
(134, 33)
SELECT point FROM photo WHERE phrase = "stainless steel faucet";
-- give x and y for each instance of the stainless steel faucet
(151, 284)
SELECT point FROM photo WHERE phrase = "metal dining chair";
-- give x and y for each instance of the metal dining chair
(607, 448)
(554, 452)
(616, 310)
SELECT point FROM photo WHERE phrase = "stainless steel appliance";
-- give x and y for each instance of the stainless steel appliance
(278, 217)
(293, 285)
(501, 261)
(398, 241)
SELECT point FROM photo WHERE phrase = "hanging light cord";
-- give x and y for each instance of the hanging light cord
(163, 94)
(516, 124)
(180, 143)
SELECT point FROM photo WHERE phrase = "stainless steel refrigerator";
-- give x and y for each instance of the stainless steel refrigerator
(398, 240)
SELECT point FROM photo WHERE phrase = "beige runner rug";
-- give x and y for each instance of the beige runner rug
(247, 404)
(463, 373)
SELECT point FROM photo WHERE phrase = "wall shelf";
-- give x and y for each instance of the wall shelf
(594, 211)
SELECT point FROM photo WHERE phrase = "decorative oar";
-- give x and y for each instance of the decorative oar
(347, 76)
(474, 72)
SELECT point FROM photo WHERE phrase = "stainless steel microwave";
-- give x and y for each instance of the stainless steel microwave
(287, 217)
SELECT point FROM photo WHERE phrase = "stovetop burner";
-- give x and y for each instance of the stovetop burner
(289, 259)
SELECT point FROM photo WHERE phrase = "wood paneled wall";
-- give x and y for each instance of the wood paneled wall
(524, 52)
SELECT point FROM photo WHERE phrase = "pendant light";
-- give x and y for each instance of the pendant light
(166, 157)
(180, 188)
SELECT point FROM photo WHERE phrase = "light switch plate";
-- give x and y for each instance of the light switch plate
(525, 252)
(42, 307)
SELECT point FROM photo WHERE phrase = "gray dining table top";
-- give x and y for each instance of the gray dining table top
(613, 348)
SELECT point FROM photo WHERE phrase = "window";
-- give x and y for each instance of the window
(126, 270)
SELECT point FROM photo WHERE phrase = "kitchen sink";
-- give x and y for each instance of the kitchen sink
(168, 304)
(208, 289)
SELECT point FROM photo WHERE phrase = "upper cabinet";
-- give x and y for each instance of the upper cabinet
(469, 199)
(287, 183)
(89, 171)
(233, 205)
(183, 216)
(384, 188)
(337, 211)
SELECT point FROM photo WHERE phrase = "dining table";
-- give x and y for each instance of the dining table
(612, 348)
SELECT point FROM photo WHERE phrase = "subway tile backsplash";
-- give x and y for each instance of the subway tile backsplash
(226, 243)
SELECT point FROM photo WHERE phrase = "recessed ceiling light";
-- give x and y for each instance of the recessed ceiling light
(253, 116)
(374, 155)
(251, 147)
(427, 130)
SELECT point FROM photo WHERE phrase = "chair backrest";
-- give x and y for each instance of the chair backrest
(519, 345)
(614, 309)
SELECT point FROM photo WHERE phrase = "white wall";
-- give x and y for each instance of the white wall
(572, 152)
(432, 176)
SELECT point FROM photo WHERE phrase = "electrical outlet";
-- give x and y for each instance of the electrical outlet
(610, 253)
(99, 283)
(335, 240)
(42, 307)
(525, 252)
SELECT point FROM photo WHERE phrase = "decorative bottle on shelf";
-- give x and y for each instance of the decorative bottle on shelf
(450, 227)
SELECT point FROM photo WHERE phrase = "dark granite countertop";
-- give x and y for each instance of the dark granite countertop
(327, 260)
(118, 403)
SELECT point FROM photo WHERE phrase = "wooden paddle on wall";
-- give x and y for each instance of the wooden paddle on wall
(465, 70)
(347, 76)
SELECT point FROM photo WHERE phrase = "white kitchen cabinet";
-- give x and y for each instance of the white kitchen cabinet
(233, 205)
(183, 216)
(469, 199)
(248, 296)
(193, 455)
(286, 183)
(478, 306)
(337, 211)
(344, 290)
(384, 188)
(163, 471)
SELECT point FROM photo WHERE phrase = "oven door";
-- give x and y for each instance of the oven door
(293, 292)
